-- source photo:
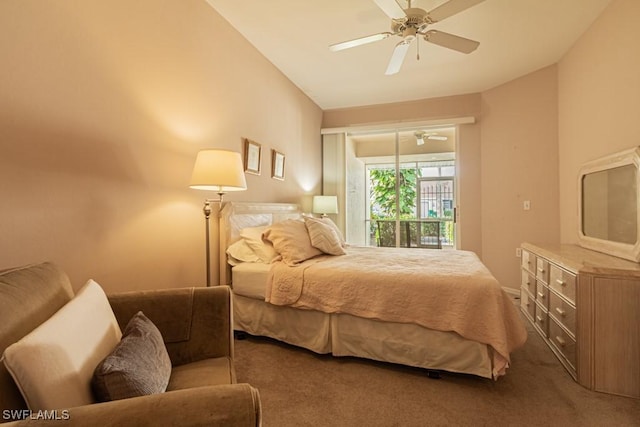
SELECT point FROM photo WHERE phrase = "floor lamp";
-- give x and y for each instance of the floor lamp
(220, 171)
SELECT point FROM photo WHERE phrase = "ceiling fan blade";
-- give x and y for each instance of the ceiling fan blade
(450, 8)
(451, 41)
(359, 41)
(397, 57)
(391, 8)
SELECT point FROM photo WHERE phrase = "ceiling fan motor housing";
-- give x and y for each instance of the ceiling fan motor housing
(416, 19)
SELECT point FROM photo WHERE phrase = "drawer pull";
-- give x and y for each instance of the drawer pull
(540, 319)
(561, 312)
(561, 341)
(561, 282)
(541, 270)
(541, 295)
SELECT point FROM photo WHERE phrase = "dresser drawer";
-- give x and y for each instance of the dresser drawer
(528, 261)
(563, 312)
(542, 294)
(542, 269)
(541, 319)
(563, 342)
(529, 282)
(563, 282)
(527, 303)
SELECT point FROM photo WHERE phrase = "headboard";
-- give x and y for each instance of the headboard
(238, 215)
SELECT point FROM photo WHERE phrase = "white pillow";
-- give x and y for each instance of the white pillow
(323, 236)
(263, 249)
(53, 364)
(240, 251)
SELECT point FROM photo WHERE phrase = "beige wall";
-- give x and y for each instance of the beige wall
(519, 162)
(103, 107)
(599, 100)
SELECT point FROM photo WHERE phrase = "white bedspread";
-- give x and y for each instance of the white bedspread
(441, 290)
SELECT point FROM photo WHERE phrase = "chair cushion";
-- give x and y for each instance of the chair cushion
(139, 365)
(205, 372)
(53, 364)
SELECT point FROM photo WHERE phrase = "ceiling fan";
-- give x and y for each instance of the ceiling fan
(422, 135)
(413, 22)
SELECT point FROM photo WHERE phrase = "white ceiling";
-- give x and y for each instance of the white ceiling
(516, 37)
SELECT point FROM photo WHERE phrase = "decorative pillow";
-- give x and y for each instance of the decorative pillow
(240, 251)
(138, 366)
(335, 228)
(323, 236)
(264, 250)
(291, 240)
(53, 364)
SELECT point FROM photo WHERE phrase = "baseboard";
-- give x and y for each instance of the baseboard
(515, 293)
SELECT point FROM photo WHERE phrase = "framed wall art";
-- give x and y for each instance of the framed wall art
(252, 156)
(277, 165)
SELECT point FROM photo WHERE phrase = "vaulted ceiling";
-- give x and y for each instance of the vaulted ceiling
(516, 37)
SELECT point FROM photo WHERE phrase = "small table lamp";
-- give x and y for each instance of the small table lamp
(220, 171)
(325, 205)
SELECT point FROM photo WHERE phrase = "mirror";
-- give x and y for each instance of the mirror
(609, 220)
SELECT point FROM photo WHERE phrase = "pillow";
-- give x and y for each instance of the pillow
(264, 250)
(138, 366)
(335, 228)
(53, 365)
(323, 236)
(291, 240)
(240, 251)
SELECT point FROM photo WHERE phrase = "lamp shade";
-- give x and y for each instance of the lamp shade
(325, 204)
(218, 170)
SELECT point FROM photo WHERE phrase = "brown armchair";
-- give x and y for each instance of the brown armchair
(196, 324)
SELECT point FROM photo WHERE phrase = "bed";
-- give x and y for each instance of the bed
(439, 310)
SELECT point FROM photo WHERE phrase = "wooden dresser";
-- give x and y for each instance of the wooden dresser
(586, 306)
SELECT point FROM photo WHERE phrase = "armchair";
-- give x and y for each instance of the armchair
(196, 325)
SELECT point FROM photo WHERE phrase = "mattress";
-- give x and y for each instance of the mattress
(249, 279)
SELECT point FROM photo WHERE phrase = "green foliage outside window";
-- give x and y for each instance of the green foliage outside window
(383, 193)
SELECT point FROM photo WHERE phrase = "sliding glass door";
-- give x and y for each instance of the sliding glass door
(408, 191)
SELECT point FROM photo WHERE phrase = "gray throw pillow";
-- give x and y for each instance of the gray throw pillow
(139, 365)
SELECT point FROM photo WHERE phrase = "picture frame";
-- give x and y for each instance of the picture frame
(277, 165)
(252, 157)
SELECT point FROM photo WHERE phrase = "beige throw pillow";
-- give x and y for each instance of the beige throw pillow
(323, 236)
(330, 223)
(53, 364)
(290, 239)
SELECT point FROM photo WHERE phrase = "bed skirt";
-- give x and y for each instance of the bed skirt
(346, 335)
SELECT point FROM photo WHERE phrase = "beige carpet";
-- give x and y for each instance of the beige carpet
(301, 388)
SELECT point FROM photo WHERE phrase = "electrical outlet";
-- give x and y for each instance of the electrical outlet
(518, 252)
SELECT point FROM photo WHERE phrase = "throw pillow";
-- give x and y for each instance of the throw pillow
(323, 236)
(138, 366)
(333, 225)
(53, 365)
(291, 240)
